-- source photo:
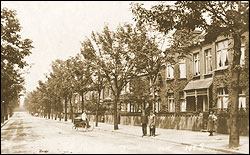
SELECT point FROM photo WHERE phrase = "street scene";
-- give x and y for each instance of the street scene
(26, 134)
(125, 77)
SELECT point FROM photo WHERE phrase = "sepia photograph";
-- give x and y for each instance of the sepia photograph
(124, 77)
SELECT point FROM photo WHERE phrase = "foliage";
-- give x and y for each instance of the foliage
(13, 51)
(117, 54)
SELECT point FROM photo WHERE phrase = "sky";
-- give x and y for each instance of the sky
(58, 27)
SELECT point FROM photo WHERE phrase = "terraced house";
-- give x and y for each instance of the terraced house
(196, 84)
(200, 83)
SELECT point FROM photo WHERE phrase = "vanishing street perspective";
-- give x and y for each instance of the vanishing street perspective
(124, 77)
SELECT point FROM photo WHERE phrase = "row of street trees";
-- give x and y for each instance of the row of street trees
(13, 51)
(131, 51)
(110, 58)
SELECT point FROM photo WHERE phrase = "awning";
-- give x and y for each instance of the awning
(199, 84)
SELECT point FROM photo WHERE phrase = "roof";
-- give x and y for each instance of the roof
(199, 84)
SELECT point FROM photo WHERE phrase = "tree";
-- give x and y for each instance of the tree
(98, 84)
(114, 53)
(216, 18)
(13, 51)
(152, 59)
(61, 69)
(139, 91)
(81, 76)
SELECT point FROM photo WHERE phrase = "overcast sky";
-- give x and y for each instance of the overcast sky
(57, 28)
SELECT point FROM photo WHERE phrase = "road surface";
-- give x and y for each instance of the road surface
(33, 135)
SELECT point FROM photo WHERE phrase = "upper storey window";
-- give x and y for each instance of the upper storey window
(222, 54)
(196, 64)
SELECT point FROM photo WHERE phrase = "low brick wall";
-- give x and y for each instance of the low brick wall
(185, 121)
(223, 124)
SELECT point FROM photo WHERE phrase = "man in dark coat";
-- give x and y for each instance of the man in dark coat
(144, 121)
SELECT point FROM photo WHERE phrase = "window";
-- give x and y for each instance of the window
(171, 106)
(242, 58)
(196, 64)
(125, 89)
(182, 102)
(222, 54)
(123, 106)
(182, 66)
(242, 99)
(208, 61)
(170, 71)
(128, 107)
(222, 101)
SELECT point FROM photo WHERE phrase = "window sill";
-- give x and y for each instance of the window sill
(170, 79)
(183, 78)
(221, 69)
(195, 77)
(208, 75)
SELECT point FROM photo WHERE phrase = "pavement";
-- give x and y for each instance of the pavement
(191, 139)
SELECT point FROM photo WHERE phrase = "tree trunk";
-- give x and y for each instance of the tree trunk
(97, 109)
(49, 110)
(5, 111)
(71, 109)
(235, 71)
(163, 90)
(153, 99)
(82, 102)
(66, 100)
(60, 116)
(153, 92)
(2, 113)
(115, 114)
(56, 109)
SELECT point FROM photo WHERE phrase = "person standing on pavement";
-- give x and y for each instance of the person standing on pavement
(211, 123)
(152, 123)
(144, 121)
